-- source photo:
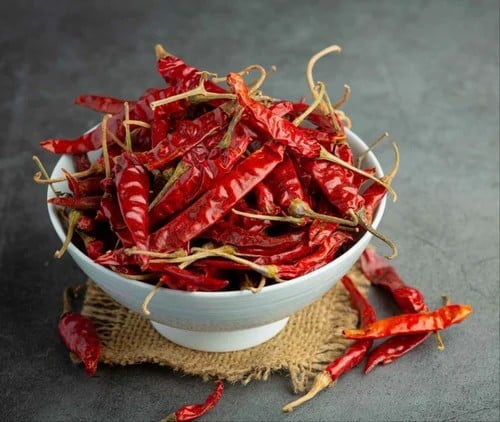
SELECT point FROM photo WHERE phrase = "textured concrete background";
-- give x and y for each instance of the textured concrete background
(426, 71)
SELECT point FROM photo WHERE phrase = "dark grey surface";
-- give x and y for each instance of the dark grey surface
(426, 71)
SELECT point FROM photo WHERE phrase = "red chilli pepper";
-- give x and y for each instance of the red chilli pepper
(414, 323)
(81, 203)
(185, 137)
(109, 210)
(253, 243)
(132, 187)
(184, 77)
(194, 411)
(101, 104)
(333, 180)
(285, 185)
(381, 273)
(393, 348)
(216, 202)
(351, 357)
(280, 129)
(182, 279)
(79, 335)
(318, 257)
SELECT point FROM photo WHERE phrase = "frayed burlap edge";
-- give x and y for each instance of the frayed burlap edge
(311, 339)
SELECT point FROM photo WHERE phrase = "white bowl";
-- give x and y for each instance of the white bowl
(221, 321)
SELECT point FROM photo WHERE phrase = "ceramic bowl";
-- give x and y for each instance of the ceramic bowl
(221, 321)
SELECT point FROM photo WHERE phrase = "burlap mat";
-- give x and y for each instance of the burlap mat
(311, 339)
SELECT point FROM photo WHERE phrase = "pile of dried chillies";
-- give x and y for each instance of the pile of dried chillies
(201, 187)
(405, 331)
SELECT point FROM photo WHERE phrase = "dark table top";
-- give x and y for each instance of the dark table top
(425, 71)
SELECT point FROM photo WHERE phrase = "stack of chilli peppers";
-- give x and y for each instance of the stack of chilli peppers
(203, 188)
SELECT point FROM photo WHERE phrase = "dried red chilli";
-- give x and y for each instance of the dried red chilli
(79, 335)
(381, 273)
(318, 257)
(179, 74)
(132, 189)
(81, 203)
(185, 137)
(101, 104)
(182, 279)
(285, 185)
(394, 348)
(280, 129)
(109, 211)
(264, 199)
(194, 411)
(228, 233)
(352, 357)
(414, 323)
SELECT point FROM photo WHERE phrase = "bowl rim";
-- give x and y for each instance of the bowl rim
(73, 250)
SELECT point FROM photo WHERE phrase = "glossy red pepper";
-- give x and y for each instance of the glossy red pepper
(101, 104)
(79, 335)
(227, 233)
(81, 203)
(264, 199)
(393, 348)
(109, 210)
(414, 323)
(281, 130)
(285, 184)
(216, 202)
(181, 75)
(333, 180)
(187, 134)
(118, 257)
(132, 188)
(181, 279)
(289, 256)
(318, 257)
(194, 411)
(381, 273)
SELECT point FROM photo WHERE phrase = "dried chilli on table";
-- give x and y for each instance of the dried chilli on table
(191, 412)
(201, 186)
(79, 334)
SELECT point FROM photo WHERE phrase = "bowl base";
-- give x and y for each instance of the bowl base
(221, 341)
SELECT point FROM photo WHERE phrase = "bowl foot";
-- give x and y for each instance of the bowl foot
(221, 341)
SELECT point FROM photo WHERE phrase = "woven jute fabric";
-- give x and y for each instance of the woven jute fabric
(311, 339)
